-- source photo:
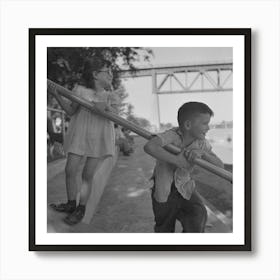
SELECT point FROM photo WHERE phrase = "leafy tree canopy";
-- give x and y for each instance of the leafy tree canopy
(65, 65)
(165, 126)
(142, 122)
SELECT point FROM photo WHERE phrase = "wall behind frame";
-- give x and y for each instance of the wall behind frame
(17, 262)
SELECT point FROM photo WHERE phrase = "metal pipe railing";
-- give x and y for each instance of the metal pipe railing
(52, 86)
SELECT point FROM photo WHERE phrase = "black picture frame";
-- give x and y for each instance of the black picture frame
(246, 32)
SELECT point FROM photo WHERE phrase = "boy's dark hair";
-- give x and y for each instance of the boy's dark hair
(92, 64)
(190, 109)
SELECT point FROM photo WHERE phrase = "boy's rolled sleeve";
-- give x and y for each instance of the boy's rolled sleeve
(167, 137)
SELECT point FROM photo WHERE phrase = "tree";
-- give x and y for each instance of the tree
(130, 115)
(65, 65)
(123, 105)
(142, 122)
(165, 126)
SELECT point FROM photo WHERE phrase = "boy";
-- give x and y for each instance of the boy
(174, 195)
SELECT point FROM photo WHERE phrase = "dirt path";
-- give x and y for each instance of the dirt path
(125, 205)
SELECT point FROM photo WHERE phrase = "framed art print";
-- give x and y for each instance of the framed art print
(140, 139)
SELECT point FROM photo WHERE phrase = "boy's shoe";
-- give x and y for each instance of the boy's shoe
(64, 207)
(76, 216)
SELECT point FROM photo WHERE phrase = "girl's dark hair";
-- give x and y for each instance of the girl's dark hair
(92, 64)
(190, 109)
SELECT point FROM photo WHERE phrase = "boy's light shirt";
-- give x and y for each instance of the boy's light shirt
(166, 172)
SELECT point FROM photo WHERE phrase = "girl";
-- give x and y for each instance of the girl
(88, 135)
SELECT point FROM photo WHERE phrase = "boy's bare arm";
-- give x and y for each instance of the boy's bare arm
(208, 156)
(212, 158)
(155, 149)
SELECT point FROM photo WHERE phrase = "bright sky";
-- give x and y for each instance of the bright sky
(140, 89)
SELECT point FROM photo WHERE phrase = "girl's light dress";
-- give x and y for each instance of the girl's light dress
(88, 134)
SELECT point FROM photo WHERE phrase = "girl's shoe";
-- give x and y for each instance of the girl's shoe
(76, 216)
(64, 207)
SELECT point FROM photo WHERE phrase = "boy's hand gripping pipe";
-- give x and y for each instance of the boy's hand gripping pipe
(52, 86)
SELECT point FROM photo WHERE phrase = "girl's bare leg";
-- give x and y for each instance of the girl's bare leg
(89, 170)
(71, 170)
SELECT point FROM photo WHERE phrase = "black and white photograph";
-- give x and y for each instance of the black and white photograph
(139, 140)
(139, 135)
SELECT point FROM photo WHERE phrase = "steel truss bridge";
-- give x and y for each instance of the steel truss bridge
(211, 77)
(186, 78)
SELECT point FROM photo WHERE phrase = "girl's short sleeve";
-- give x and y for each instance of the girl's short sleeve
(85, 93)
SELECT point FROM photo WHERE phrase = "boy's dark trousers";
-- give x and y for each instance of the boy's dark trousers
(191, 213)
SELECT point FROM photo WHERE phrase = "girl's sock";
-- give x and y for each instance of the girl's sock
(72, 203)
(82, 207)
